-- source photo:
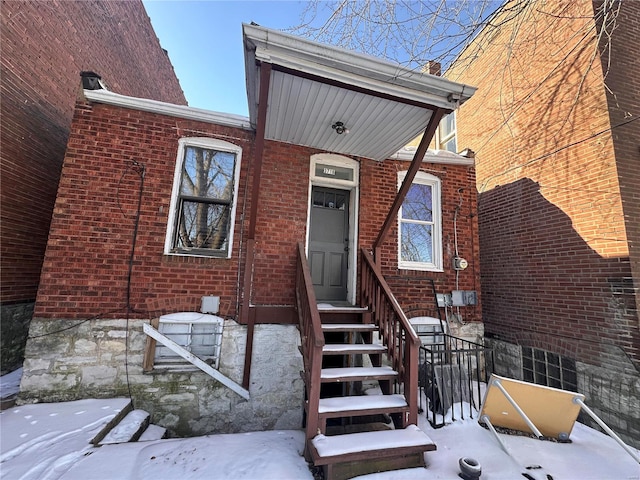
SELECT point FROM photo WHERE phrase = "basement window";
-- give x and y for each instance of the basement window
(429, 330)
(198, 333)
(419, 225)
(548, 368)
(203, 202)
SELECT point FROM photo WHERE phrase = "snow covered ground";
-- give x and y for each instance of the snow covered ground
(51, 442)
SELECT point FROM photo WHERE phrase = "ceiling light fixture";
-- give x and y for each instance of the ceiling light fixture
(340, 128)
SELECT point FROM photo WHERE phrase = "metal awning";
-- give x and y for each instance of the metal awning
(314, 86)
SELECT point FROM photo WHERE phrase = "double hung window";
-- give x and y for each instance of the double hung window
(204, 198)
(447, 133)
(419, 225)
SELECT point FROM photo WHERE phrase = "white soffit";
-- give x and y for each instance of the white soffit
(312, 86)
(302, 112)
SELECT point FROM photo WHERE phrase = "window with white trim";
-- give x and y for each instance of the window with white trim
(447, 133)
(419, 224)
(200, 334)
(203, 202)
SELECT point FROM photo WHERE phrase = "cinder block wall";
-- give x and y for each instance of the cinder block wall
(45, 46)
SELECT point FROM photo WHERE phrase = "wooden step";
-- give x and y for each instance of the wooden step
(327, 308)
(346, 456)
(349, 327)
(354, 374)
(361, 405)
(343, 314)
(353, 348)
(129, 429)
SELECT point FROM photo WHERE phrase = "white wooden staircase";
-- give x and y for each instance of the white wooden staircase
(350, 433)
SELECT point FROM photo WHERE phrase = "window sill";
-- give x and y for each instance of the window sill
(200, 254)
(421, 268)
(165, 368)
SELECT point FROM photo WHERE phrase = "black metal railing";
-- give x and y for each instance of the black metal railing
(453, 373)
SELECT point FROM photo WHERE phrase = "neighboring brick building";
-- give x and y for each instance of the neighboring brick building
(556, 133)
(45, 46)
(121, 251)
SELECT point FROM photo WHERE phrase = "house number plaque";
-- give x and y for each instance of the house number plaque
(332, 171)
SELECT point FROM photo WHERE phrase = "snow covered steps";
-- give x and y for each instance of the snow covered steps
(129, 429)
(354, 374)
(153, 432)
(361, 405)
(351, 433)
(358, 348)
(346, 456)
(348, 327)
(129, 426)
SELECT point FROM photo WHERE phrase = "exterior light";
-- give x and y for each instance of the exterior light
(340, 128)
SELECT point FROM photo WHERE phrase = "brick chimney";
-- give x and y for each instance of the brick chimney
(90, 81)
(433, 68)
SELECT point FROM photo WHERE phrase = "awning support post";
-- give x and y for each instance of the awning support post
(245, 317)
(427, 136)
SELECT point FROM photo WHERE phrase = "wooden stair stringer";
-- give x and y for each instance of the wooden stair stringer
(346, 455)
(354, 454)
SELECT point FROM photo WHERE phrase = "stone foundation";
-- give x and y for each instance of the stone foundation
(103, 358)
(472, 331)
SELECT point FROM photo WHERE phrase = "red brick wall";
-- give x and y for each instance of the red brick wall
(553, 242)
(87, 258)
(621, 65)
(413, 289)
(86, 263)
(282, 221)
(45, 46)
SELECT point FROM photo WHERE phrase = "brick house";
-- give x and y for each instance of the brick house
(556, 139)
(317, 171)
(45, 46)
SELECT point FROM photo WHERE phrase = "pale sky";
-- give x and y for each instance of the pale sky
(204, 41)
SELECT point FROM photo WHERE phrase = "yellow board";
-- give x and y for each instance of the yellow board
(551, 410)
